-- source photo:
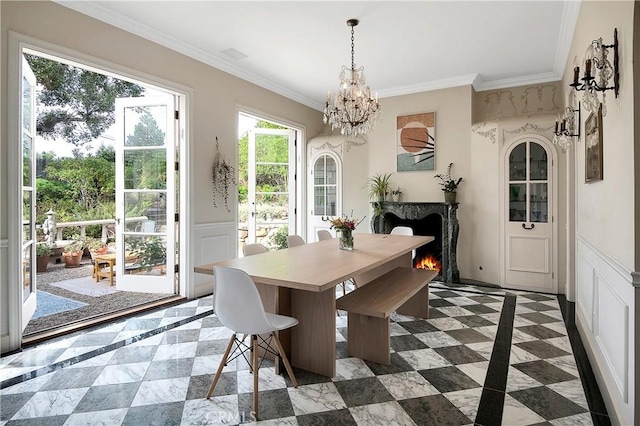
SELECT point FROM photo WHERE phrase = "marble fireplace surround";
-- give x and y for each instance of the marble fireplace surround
(419, 216)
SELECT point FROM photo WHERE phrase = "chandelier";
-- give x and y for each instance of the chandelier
(353, 110)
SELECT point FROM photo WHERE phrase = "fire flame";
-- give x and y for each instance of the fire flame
(429, 262)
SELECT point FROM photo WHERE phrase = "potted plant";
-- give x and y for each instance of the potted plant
(95, 246)
(396, 194)
(72, 253)
(43, 254)
(449, 185)
(379, 186)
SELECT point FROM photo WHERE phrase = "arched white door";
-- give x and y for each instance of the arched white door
(528, 198)
(325, 192)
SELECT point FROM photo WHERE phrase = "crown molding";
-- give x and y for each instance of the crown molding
(525, 80)
(430, 85)
(568, 22)
(102, 14)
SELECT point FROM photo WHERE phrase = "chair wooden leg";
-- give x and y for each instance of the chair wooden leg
(221, 366)
(255, 374)
(285, 360)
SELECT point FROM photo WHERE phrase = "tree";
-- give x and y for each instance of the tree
(78, 104)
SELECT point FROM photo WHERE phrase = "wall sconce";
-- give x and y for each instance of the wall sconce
(596, 60)
(567, 128)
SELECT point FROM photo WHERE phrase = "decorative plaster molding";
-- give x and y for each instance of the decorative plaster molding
(499, 104)
(635, 279)
(352, 143)
(527, 127)
(535, 99)
(488, 134)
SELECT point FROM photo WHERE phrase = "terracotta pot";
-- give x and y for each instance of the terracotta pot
(72, 260)
(42, 262)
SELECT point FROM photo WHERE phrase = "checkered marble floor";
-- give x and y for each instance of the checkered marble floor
(485, 356)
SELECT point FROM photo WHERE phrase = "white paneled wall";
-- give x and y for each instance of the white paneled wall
(213, 242)
(605, 318)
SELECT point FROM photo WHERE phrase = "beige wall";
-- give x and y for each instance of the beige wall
(216, 95)
(604, 243)
(453, 120)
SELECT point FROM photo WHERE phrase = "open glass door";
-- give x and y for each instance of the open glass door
(271, 183)
(145, 194)
(28, 125)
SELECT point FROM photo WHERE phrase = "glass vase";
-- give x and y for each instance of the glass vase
(346, 239)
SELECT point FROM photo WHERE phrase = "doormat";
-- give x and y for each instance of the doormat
(49, 304)
(87, 286)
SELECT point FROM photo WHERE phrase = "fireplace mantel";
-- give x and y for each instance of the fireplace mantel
(418, 211)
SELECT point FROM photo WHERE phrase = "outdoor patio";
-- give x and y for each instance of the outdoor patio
(67, 295)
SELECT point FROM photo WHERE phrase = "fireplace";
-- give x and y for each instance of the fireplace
(438, 220)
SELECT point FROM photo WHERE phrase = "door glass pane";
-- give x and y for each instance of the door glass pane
(318, 201)
(331, 200)
(538, 203)
(145, 126)
(272, 208)
(26, 160)
(142, 208)
(26, 215)
(518, 162)
(331, 171)
(272, 178)
(538, 159)
(145, 169)
(26, 105)
(145, 255)
(517, 202)
(27, 276)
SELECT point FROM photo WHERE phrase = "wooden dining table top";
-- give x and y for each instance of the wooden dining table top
(321, 265)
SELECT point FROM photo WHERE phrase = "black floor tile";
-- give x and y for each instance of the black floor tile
(468, 335)
(449, 379)
(538, 318)
(490, 408)
(416, 327)
(459, 354)
(107, 397)
(364, 391)
(547, 403)
(542, 349)
(169, 414)
(272, 404)
(397, 365)
(406, 343)
(329, 418)
(433, 410)
(544, 372)
(540, 331)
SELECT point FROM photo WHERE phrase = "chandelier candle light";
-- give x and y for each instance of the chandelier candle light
(354, 111)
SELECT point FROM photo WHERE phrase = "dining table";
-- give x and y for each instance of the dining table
(300, 282)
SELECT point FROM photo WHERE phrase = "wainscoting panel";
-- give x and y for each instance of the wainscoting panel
(213, 242)
(605, 318)
(585, 290)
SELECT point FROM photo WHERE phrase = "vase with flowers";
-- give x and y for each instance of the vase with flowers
(345, 225)
(449, 185)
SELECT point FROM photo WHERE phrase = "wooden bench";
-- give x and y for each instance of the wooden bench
(404, 290)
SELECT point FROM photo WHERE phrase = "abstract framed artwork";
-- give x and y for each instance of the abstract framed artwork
(416, 142)
(593, 155)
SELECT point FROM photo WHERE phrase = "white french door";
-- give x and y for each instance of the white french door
(146, 194)
(529, 210)
(28, 210)
(324, 189)
(271, 186)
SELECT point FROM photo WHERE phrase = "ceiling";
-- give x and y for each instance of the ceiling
(297, 48)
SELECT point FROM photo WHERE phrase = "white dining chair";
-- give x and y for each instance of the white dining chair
(294, 241)
(323, 234)
(239, 308)
(404, 230)
(251, 249)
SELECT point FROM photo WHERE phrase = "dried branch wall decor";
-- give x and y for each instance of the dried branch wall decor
(222, 175)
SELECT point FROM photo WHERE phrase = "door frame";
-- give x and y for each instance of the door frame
(17, 43)
(300, 164)
(553, 213)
